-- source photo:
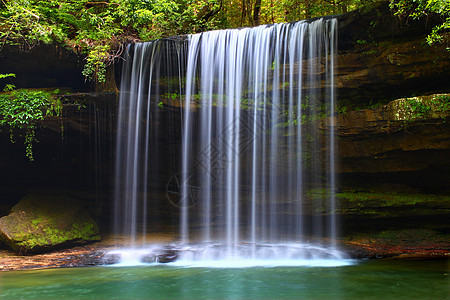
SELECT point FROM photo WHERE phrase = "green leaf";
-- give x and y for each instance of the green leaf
(7, 75)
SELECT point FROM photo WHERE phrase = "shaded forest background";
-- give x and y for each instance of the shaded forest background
(99, 29)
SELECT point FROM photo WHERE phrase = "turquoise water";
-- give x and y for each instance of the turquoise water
(381, 279)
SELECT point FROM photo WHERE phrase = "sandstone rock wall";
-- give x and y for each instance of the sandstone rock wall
(382, 57)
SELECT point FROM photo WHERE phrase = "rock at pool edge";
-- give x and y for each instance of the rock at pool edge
(43, 223)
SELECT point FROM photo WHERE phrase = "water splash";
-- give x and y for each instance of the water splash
(213, 255)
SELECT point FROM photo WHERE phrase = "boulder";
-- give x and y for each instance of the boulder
(42, 223)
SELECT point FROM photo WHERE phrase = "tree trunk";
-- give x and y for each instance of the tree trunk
(256, 12)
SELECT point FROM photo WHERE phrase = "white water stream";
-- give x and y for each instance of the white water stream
(258, 138)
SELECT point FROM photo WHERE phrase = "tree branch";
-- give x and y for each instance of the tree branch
(212, 13)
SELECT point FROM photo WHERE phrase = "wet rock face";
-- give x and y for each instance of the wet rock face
(410, 242)
(44, 66)
(382, 57)
(43, 223)
(391, 69)
(405, 141)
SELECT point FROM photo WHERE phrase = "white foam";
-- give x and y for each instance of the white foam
(211, 255)
(249, 263)
(132, 256)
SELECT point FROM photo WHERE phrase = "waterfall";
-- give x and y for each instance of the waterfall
(255, 157)
(138, 132)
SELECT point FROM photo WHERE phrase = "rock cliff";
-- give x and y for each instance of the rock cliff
(393, 150)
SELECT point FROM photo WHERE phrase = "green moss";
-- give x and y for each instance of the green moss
(37, 223)
(415, 237)
(387, 204)
(388, 199)
(54, 236)
(403, 109)
(420, 108)
(380, 203)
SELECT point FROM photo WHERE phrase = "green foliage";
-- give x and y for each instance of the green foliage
(441, 103)
(172, 96)
(9, 86)
(418, 109)
(99, 29)
(418, 8)
(370, 52)
(242, 13)
(7, 75)
(421, 108)
(23, 109)
(342, 109)
(96, 61)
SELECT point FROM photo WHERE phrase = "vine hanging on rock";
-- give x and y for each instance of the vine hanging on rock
(21, 110)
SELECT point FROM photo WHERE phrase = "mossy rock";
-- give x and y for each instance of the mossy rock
(44, 223)
(410, 237)
(392, 204)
